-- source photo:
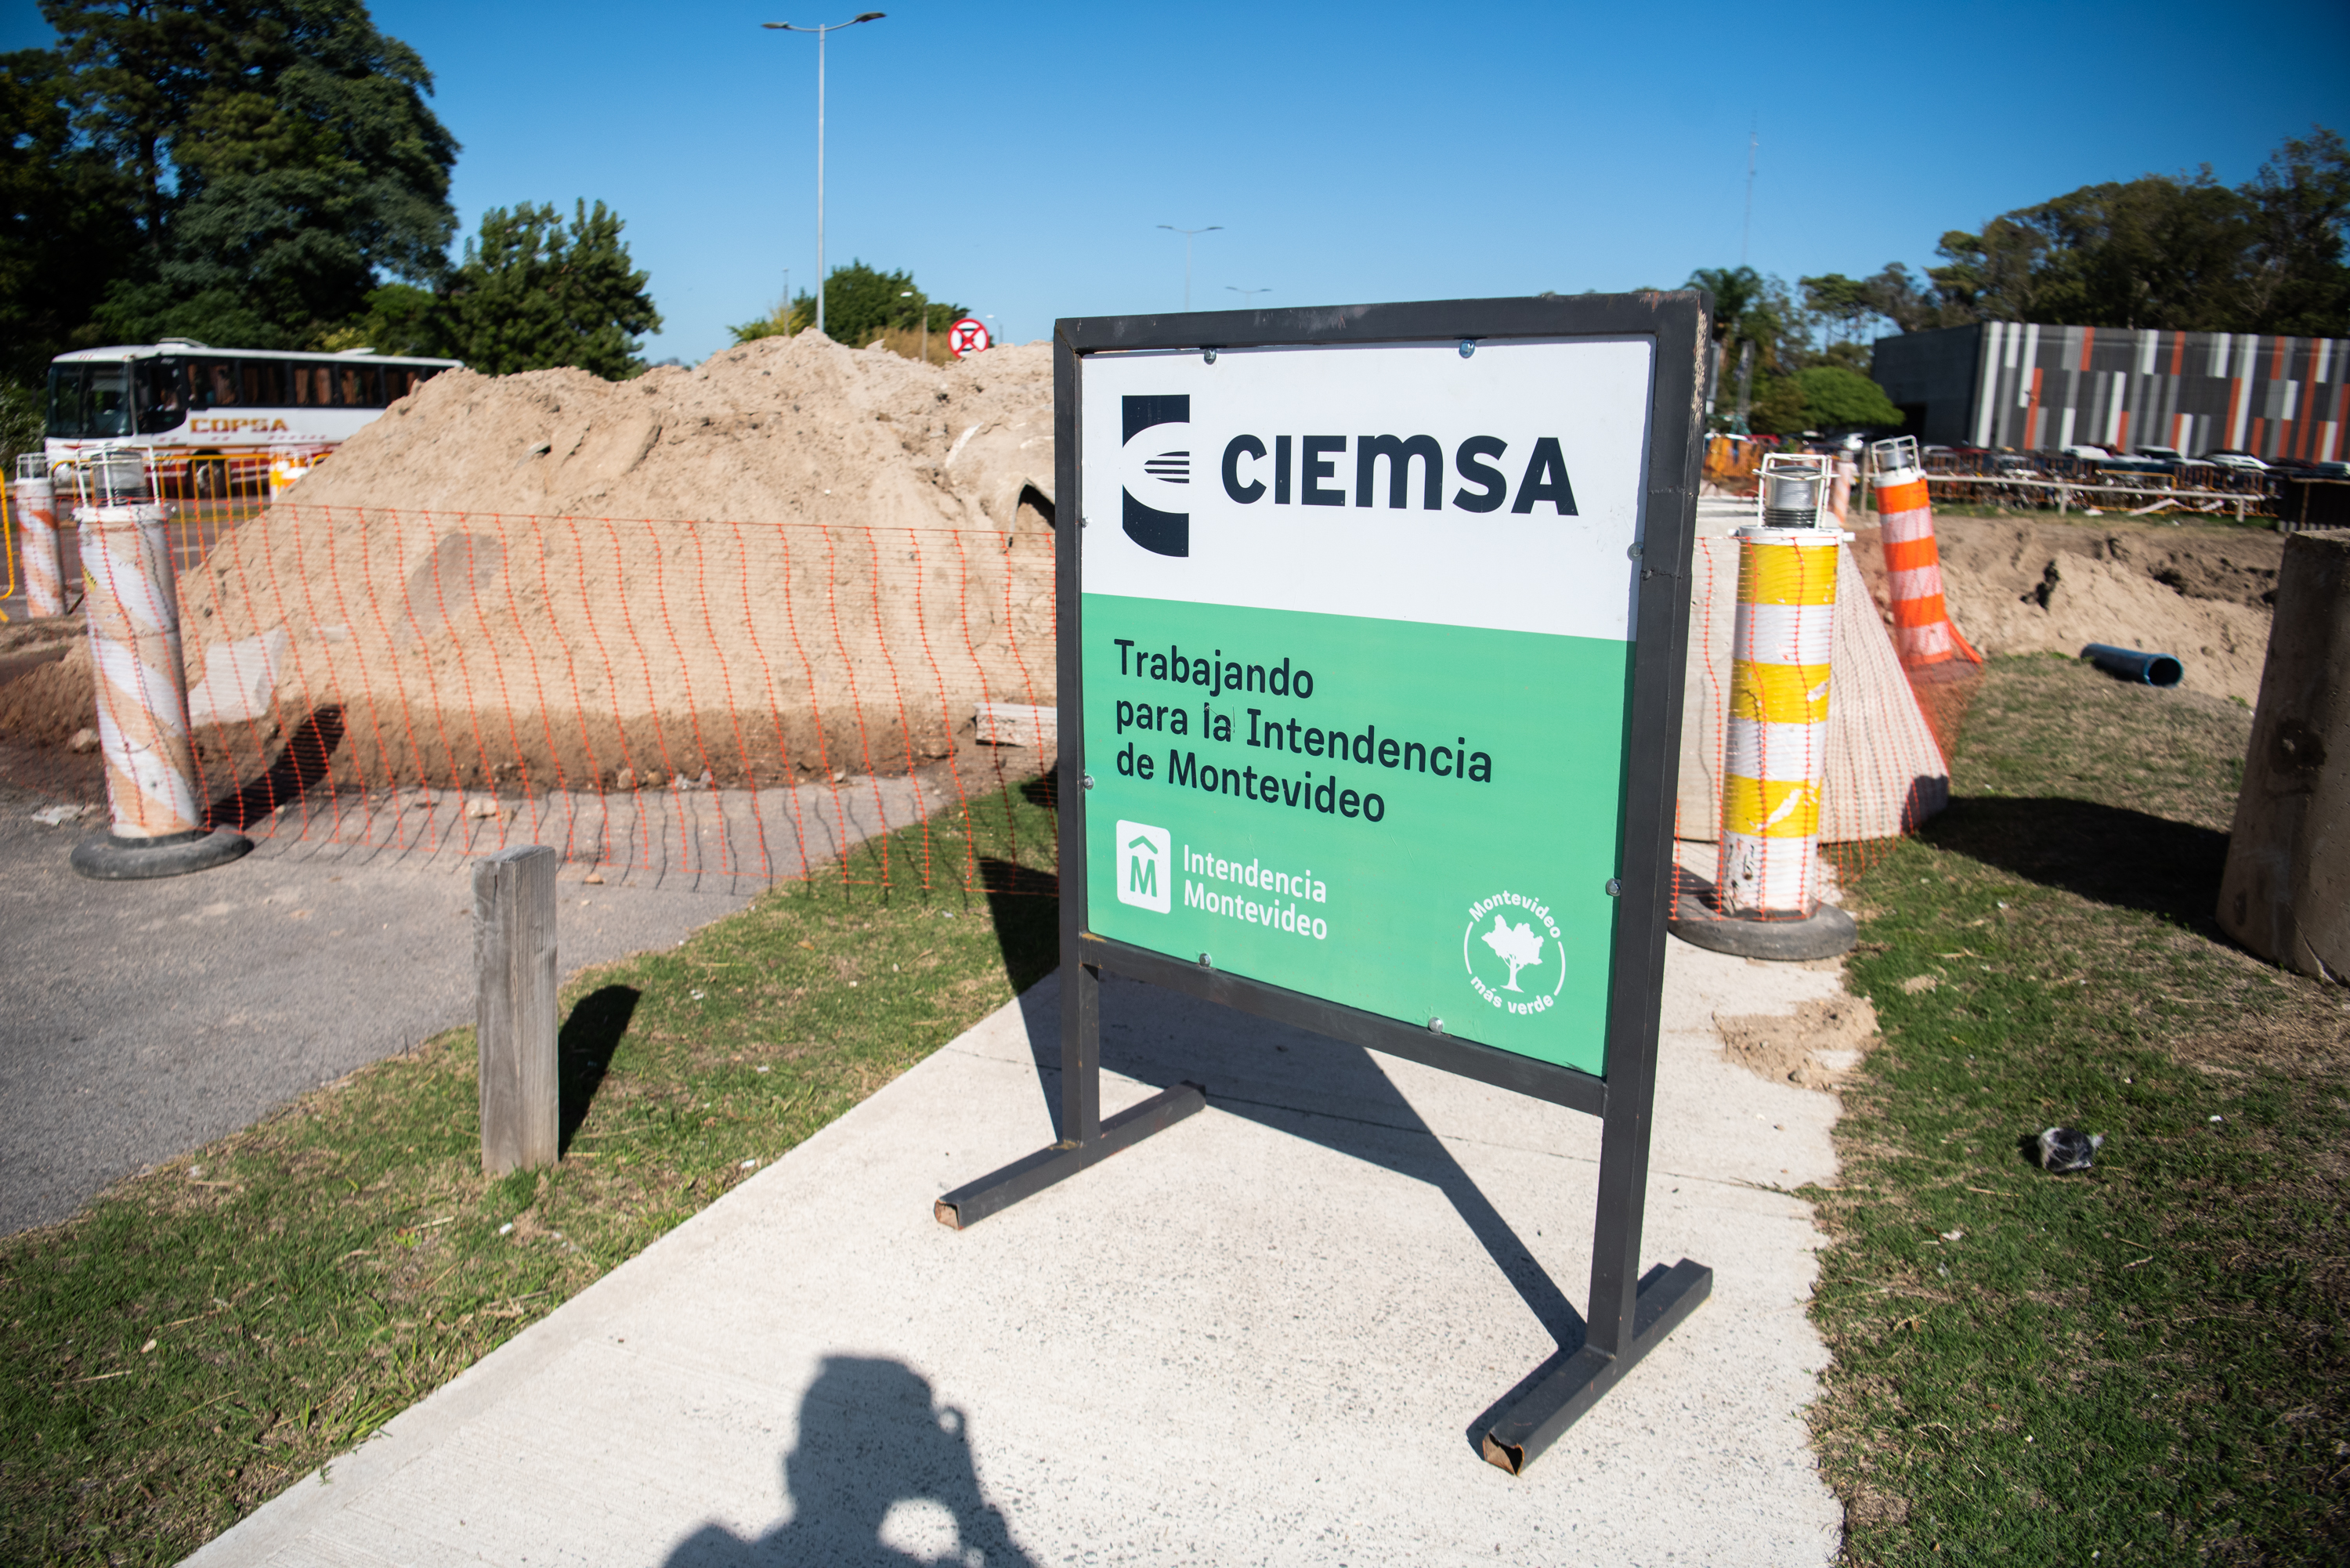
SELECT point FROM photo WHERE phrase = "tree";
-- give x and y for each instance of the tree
(2174, 252)
(281, 157)
(1837, 397)
(1516, 946)
(531, 294)
(1839, 299)
(2300, 202)
(860, 303)
(65, 217)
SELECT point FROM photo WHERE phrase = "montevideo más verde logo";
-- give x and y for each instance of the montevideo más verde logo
(1514, 954)
(1155, 469)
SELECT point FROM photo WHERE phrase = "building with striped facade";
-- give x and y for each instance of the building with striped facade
(2027, 387)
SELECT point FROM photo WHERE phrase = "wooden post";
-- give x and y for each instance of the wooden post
(514, 963)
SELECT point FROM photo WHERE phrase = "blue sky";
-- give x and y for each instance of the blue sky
(1018, 158)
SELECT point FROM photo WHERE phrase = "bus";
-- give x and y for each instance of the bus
(213, 420)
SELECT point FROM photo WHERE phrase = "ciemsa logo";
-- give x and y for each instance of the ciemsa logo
(1154, 468)
(1480, 475)
(1143, 856)
(1515, 963)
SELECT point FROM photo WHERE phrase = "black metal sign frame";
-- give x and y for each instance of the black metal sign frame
(1628, 1315)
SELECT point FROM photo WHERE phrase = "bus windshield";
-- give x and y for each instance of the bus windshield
(89, 400)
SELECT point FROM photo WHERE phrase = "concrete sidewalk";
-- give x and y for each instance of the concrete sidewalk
(1269, 1334)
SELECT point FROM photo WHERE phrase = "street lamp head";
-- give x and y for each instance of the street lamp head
(868, 17)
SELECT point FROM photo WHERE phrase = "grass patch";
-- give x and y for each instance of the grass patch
(202, 1335)
(2147, 1362)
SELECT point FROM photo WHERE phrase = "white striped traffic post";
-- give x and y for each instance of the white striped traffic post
(133, 605)
(38, 546)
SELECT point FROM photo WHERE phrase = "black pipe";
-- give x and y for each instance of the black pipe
(2131, 664)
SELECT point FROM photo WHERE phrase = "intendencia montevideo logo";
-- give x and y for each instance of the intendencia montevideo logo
(1513, 940)
(1396, 472)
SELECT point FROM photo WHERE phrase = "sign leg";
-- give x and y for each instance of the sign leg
(1086, 1137)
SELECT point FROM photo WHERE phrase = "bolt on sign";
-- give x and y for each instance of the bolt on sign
(1372, 636)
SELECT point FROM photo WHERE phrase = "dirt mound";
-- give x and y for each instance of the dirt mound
(785, 429)
(847, 553)
(2021, 586)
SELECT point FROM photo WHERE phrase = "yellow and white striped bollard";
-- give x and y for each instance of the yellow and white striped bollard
(1775, 753)
(1766, 901)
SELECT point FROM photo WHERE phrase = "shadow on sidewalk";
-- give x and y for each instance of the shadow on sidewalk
(1376, 1125)
(880, 1475)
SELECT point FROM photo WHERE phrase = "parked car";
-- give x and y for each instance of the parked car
(2093, 453)
(2241, 461)
(2171, 456)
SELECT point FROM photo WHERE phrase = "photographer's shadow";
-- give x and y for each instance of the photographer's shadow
(871, 1436)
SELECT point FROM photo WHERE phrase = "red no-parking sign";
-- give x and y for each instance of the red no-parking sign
(967, 336)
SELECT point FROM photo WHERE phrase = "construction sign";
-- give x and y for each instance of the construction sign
(1373, 627)
(1357, 634)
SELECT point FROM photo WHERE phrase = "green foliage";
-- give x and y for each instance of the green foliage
(23, 418)
(534, 294)
(1835, 398)
(282, 160)
(859, 305)
(2180, 253)
(65, 217)
(401, 318)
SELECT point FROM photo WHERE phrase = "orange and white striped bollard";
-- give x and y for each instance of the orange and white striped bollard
(39, 547)
(1922, 632)
(142, 703)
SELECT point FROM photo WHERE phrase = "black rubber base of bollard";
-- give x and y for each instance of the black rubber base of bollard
(107, 858)
(1828, 931)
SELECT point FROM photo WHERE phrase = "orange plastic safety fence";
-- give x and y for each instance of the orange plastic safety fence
(715, 699)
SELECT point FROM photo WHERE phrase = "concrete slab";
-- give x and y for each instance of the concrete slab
(1268, 1336)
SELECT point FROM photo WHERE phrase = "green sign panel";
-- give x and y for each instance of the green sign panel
(1356, 669)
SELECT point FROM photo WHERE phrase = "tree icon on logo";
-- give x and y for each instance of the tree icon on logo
(1517, 946)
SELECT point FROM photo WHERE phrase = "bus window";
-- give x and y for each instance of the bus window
(107, 409)
(220, 382)
(264, 383)
(161, 405)
(64, 400)
(362, 387)
(314, 385)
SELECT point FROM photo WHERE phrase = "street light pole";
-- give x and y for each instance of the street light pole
(820, 32)
(1187, 235)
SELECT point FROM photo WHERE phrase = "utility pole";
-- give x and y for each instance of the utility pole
(1187, 235)
(1747, 233)
(820, 32)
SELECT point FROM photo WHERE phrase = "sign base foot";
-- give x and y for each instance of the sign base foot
(1518, 1437)
(967, 1205)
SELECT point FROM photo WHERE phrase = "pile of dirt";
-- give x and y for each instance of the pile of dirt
(2022, 585)
(796, 558)
(784, 429)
